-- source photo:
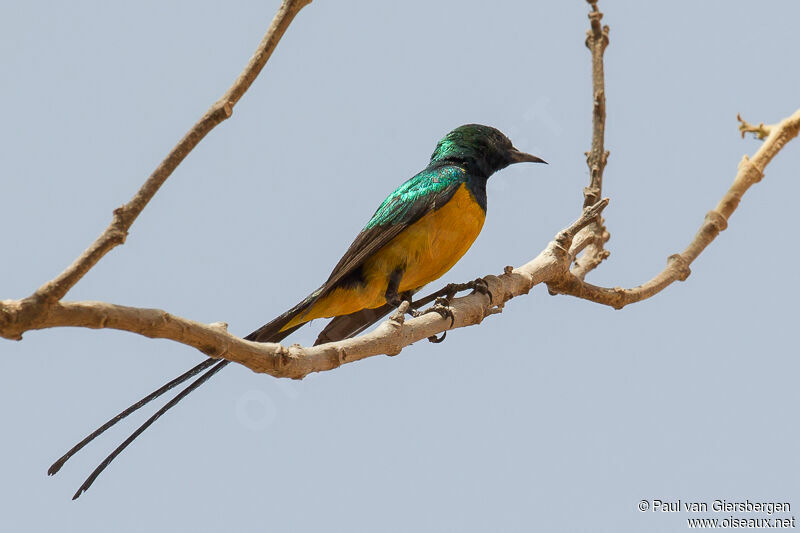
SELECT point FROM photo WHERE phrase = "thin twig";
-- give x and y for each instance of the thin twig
(751, 171)
(34, 308)
(761, 131)
(595, 236)
(551, 266)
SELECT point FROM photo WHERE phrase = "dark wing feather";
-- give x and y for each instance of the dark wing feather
(346, 326)
(425, 192)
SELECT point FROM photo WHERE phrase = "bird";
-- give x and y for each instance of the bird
(416, 235)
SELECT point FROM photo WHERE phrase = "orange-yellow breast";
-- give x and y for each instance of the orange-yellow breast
(428, 248)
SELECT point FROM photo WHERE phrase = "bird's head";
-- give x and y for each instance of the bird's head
(482, 148)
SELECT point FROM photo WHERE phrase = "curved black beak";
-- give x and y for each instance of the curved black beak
(515, 156)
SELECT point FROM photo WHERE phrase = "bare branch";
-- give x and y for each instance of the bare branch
(296, 361)
(16, 319)
(596, 235)
(586, 235)
(750, 172)
(761, 131)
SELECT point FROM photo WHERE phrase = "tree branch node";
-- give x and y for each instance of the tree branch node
(747, 164)
(761, 131)
(680, 265)
(591, 194)
(399, 316)
(600, 101)
(718, 220)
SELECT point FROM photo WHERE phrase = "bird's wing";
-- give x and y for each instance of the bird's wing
(428, 190)
(425, 192)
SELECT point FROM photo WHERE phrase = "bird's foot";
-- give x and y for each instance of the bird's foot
(441, 306)
(442, 299)
(451, 289)
(481, 286)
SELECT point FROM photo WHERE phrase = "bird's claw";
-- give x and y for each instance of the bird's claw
(442, 303)
(480, 286)
(436, 340)
(442, 306)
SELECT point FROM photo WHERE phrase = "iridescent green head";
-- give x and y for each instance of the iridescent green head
(482, 149)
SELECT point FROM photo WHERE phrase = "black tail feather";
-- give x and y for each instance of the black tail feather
(339, 328)
(270, 332)
(169, 405)
(55, 467)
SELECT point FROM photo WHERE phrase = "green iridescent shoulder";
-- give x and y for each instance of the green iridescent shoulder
(420, 189)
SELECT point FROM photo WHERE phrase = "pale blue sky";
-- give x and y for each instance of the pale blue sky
(558, 415)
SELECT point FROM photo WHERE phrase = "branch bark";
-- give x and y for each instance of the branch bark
(18, 316)
(593, 238)
(587, 236)
(750, 172)
(296, 361)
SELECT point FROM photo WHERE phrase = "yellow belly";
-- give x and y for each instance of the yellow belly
(428, 248)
